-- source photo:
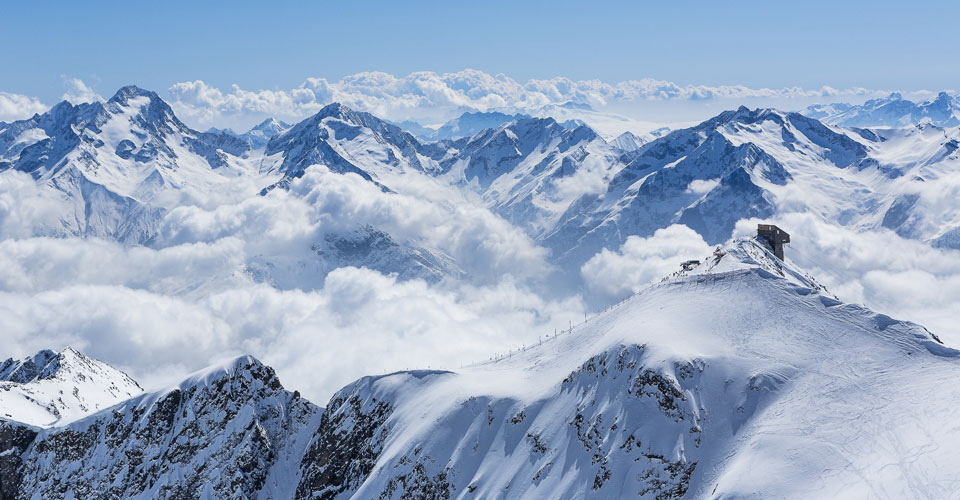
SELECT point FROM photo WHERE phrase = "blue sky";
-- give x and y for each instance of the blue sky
(262, 45)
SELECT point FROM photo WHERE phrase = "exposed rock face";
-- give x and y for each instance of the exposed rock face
(218, 432)
(346, 446)
(14, 440)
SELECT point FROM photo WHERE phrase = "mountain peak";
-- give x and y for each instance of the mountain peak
(31, 368)
(132, 91)
(269, 125)
(240, 366)
(334, 109)
(52, 386)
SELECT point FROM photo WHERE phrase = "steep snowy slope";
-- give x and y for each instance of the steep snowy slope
(345, 141)
(53, 387)
(628, 142)
(230, 431)
(117, 165)
(891, 111)
(739, 380)
(530, 170)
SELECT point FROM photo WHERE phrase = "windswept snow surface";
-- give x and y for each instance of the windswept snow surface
(51, 388)
(739, 379)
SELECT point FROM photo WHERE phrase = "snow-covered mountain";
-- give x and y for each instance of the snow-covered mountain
(114, 169)
(118, 165)
(892, 111)
(54, 387)
(530, 170)
(345, 141)
(628, 142)
(230, 431)
(758, 163)
(769, 382)
(258, 136)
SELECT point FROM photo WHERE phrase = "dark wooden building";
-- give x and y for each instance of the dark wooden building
(774, 237)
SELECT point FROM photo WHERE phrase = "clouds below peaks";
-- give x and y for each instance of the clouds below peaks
(358, 323)
(77, 92)
(286, 224)
(194, 298)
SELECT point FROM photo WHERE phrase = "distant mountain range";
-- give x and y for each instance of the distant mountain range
(738, 377)
(892, 111)
(115, 169)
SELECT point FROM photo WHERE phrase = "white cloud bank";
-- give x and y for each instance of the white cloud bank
(359, 323)
(434, 97)
(19, 107)
(642, 261)
(163, 311)
(77, 92)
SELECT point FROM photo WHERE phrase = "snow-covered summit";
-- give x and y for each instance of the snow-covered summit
(39, 366)
(50, 387)
(260, 134)
(345, 141)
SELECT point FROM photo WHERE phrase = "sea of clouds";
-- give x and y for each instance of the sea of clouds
(190, 299)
